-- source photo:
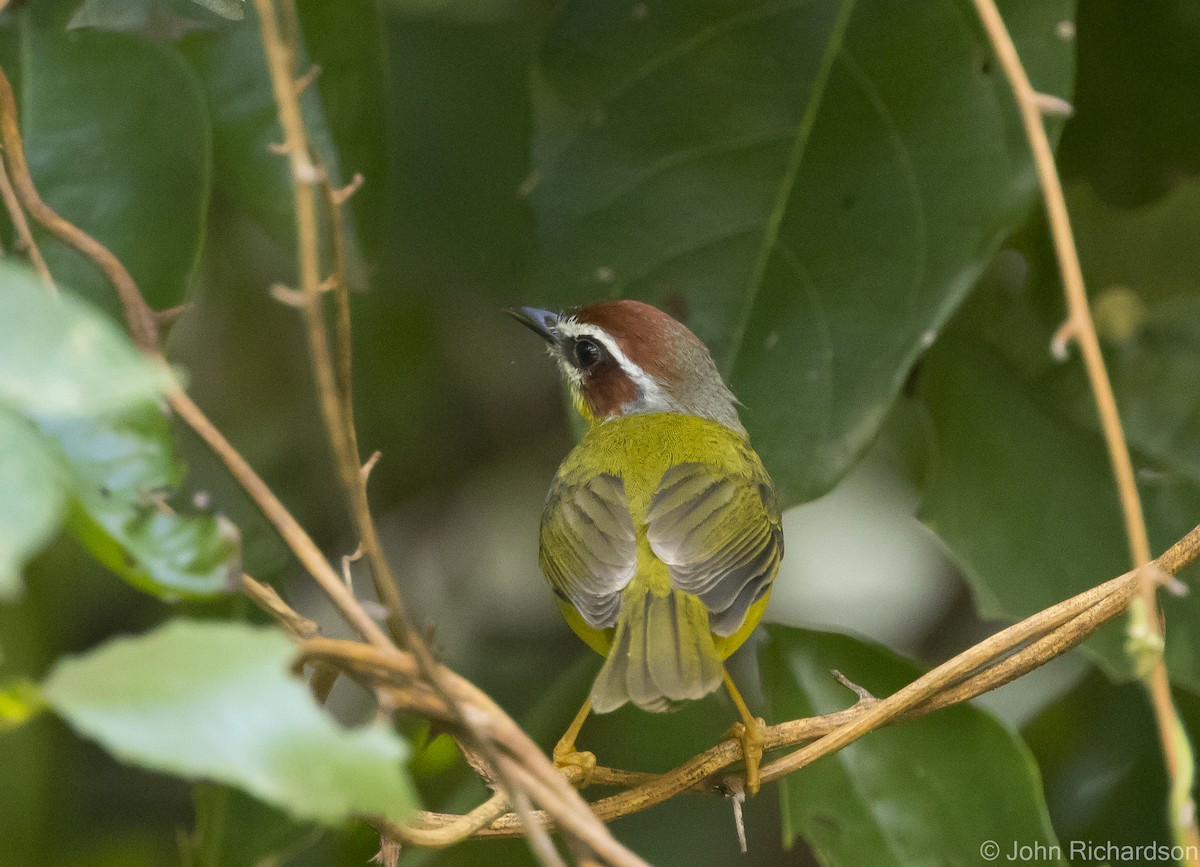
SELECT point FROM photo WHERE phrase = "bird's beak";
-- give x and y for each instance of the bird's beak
(543, 323)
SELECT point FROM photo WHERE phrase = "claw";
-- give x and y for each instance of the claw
(576, 765)
(752, 739)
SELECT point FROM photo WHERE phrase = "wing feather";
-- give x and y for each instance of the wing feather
(588, 545)
(720, 536)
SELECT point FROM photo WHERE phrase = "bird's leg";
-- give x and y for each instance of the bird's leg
(751, 732)
(565, 754)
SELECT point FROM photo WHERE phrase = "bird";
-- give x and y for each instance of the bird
(661, 533)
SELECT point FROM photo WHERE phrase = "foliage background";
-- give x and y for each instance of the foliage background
(152, 133)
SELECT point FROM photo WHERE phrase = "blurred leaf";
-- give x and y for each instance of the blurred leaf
(1136, 131)
(232, 70)
(216, 701)
(232, 9)
(236, 830)
(924, 791)
(90, 393)
(157, 20)
(1021, 488)
(60, 358)
(822, 182)
(1097, 746)
(1154, 250)
(20, 701)
(122, 468)
(32, 503)
(118, 143)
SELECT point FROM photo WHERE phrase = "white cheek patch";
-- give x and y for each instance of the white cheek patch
(651, 396)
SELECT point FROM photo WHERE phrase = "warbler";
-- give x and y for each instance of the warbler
(661, 532)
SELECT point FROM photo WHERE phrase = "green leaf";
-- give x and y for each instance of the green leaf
(216, 701)
(59, 358)
(933, 790)
(236, 830)
(117, 140)
(93, 399)
(1022, 490)
(232, 70)
(33, 500)
(818, 183)
(235, 10)
(121, 469)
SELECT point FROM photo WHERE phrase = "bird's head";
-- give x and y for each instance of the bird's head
(625, 357)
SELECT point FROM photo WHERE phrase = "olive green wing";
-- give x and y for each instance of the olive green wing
(720, 536)
(588, 545)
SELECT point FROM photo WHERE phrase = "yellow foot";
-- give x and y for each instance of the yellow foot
(752, 738)
(576, 766)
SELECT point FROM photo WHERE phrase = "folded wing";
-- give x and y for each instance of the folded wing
(720, 537)
(589, 547)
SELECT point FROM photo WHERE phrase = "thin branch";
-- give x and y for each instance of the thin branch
(531, 771)
(21, 226)
(1146, 633)
(997, 660)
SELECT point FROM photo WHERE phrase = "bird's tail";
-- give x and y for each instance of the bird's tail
(662, 654)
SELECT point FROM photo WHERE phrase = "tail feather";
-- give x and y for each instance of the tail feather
(662, 653)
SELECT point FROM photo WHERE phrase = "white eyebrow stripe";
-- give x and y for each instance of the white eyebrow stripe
(650, 389)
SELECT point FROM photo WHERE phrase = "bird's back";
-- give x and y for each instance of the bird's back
(661, 538)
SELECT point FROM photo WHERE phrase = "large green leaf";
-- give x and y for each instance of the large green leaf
(1022, 489)
(33, 499)
(121, 469)
(58, 359)
(819, 183)
(102, 438)
(118, 143)
(216, 701)
(935, 790)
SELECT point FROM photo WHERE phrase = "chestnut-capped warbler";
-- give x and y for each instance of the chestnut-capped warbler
(661, 533)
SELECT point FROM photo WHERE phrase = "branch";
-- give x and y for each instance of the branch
(997, 660)
(24, 237)
(1145, 632)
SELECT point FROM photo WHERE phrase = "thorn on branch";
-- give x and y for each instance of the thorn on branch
(864, 695)
(302, 83)
(286, 295)
(341, 194)
(370, 465)
(1063, 337)
(279, 148)
(1053, 106)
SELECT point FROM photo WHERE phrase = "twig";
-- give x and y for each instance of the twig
(1146, 636)
(334, 400)
(24, 236)
(998, 660)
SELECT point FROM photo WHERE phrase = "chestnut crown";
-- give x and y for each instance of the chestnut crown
(626, 357)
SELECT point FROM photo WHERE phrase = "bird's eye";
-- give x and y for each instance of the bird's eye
(587, 353)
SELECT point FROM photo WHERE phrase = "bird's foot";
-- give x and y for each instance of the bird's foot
(576, 765)
(752, 737)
